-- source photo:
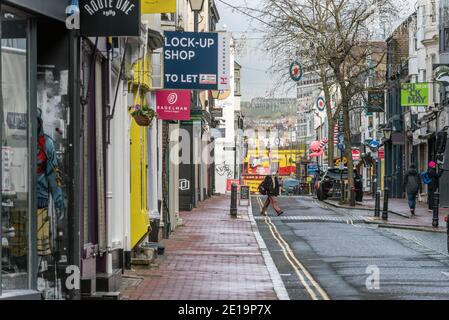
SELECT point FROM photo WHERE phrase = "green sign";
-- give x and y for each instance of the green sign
(414, 94)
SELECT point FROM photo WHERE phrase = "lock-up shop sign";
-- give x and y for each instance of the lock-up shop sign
(110, 18)
(197, 60)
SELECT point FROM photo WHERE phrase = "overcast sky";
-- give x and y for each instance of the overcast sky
(257, 81)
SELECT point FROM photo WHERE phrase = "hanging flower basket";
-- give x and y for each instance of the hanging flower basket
(143, 115)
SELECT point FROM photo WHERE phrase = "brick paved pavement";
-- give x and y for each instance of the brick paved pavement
(211, 257)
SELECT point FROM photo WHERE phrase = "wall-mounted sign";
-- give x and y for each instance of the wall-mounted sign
(376, 101)
(110, 18)
(196, 60)
(173, 104)
(296, 71)
(320, 104)
(158, 6)
(229, 183)
(414, 94)
(216, 112)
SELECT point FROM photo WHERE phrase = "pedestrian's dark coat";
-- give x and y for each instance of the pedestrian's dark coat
(412, 181)
(267, 184)
(435, 184)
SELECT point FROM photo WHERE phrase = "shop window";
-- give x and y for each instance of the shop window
(14, 112)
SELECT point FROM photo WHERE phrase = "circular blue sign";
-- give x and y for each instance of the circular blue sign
(374, 144)
(296, 71)
(320, 104)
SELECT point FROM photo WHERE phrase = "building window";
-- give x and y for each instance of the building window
(446, 39)
(237, 86)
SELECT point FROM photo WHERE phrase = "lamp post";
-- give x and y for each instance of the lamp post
(197, 7)
(388, 132)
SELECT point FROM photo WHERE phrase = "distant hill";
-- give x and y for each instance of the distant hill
(261, 108)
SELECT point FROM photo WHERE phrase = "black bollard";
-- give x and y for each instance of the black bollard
(234, 200)
(436, 210)
(447, 232)
(377, 205)
(385, 209)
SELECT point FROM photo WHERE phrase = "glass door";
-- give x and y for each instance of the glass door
(15, 257)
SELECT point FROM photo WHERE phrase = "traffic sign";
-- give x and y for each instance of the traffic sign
(381, 153)
(356, 155)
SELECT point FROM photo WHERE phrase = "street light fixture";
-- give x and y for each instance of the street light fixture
(388, 132)
(196, 5)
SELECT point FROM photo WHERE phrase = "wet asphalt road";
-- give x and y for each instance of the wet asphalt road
(341, 253)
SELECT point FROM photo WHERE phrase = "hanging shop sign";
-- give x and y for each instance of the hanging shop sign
(414, 94)
(296, 71)
(173, 104)
(158, 6)
(197, 60)
(320, 104)
(376, 101)
(442, 76)
(216, 112)
(110, 18)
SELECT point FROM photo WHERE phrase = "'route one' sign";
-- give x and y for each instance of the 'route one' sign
(196, 60)
(414, 94)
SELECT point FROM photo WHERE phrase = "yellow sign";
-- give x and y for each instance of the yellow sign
(345, 161)
(253, 185)
(158, 6)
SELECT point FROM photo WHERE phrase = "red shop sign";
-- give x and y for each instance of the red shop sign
(173, 104)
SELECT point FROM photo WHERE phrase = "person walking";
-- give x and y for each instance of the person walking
(434, 179)
(412, 184)
(270, 188)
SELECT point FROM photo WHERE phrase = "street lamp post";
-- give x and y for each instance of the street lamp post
(197, 7)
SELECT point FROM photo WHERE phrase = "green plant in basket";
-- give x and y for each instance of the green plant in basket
(143, 115)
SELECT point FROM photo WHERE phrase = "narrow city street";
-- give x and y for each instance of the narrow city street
(328, 253)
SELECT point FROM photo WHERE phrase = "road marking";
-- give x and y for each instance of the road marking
(446, 274)
(295, 263)
(278, 283)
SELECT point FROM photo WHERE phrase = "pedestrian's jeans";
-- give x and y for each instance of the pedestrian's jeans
(274, 203)
(411, 200)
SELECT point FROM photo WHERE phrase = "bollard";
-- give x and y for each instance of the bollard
(234, 200)
(377, 205)
(385, 209)
(447, 232)
(436, 210)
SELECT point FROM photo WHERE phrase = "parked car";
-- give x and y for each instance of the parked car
(331, 178)
(290, 187)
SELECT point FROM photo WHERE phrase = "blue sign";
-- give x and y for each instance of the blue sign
(191, 60)
(341, 142)
(374, 144)
(312, 168)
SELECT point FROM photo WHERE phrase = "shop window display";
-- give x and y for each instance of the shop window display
(15, 160)
(51, 190)
(34, 244)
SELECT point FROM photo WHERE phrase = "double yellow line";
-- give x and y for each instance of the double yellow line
(312, 287)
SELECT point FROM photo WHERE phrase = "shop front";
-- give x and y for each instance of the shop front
(37, 101)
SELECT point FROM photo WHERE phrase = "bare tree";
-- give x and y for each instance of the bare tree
(337, 37)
